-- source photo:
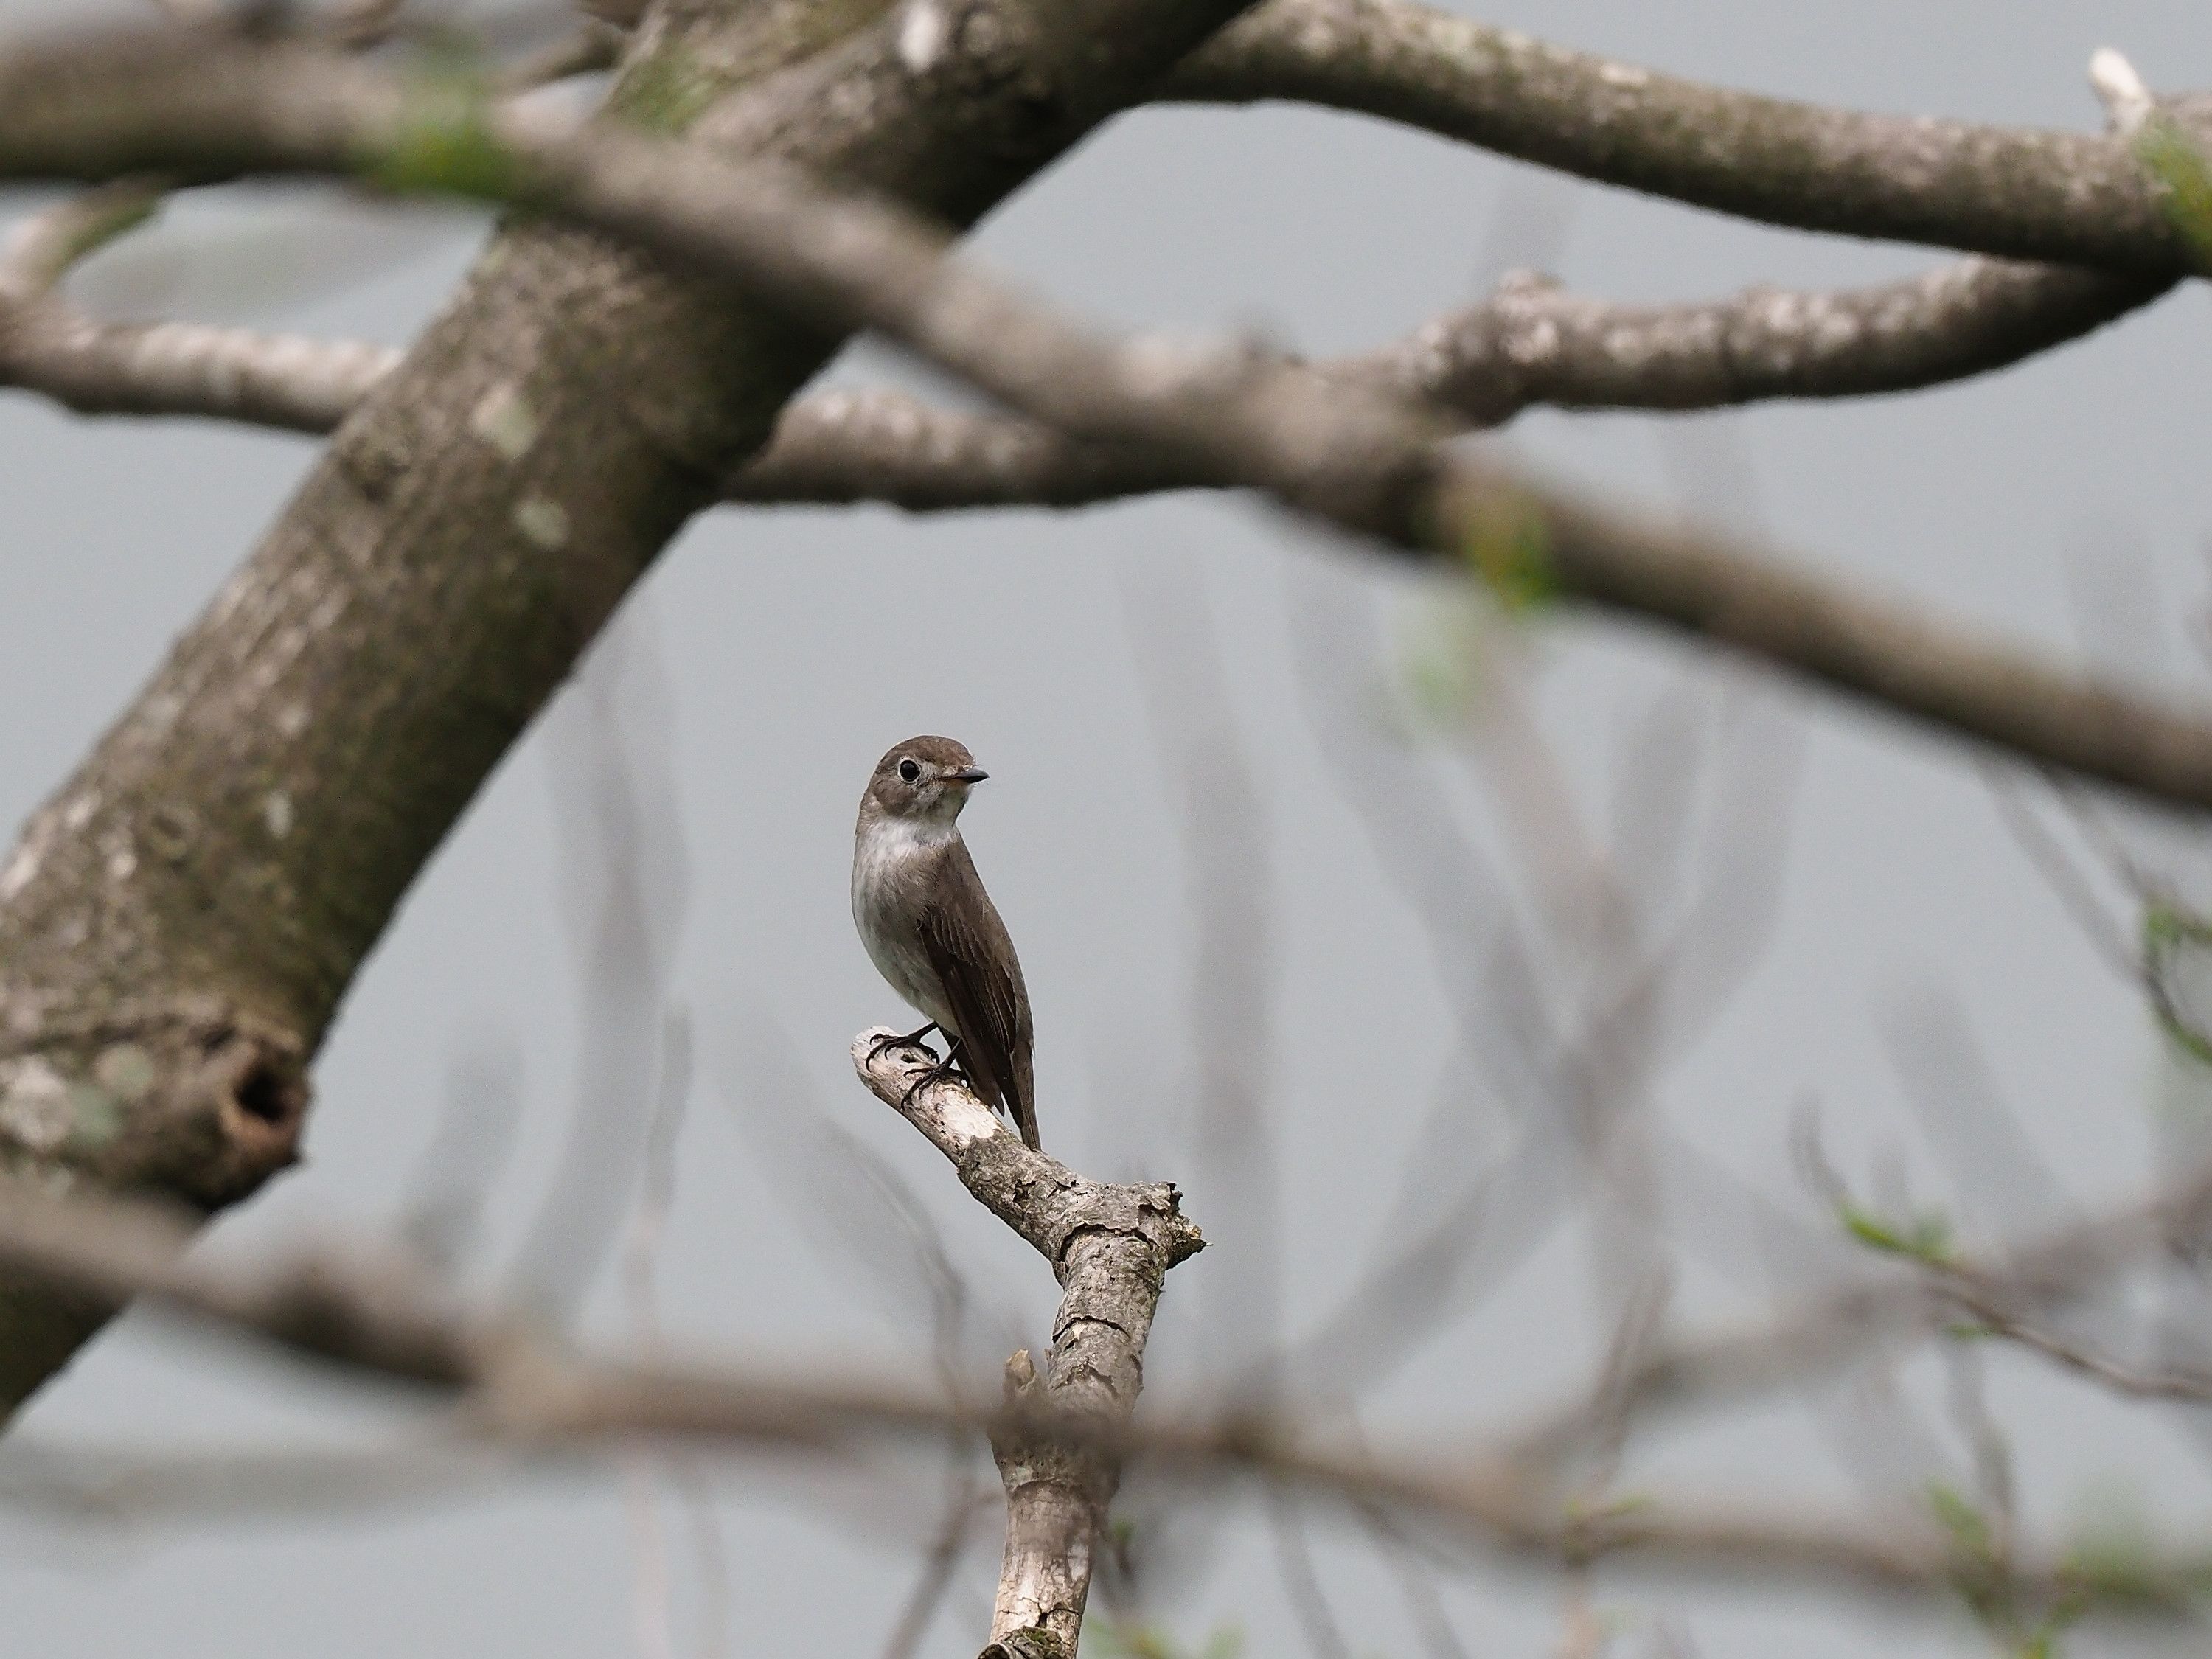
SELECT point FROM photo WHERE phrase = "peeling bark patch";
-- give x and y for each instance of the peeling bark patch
(277, 813)
(21, 869)
(126, 1070)
(96, 1116)
(923, 30)
(544, 522)
(30, 853)
(967, 1121)
(505, 420)
(34, 1105)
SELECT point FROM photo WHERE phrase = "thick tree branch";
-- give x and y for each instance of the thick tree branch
(1368, 464)
(1339, 453)
(1111, 1248)
(1365, 462)
(233, 852)
(2071, 198)
(181, 918)
(1529, 345)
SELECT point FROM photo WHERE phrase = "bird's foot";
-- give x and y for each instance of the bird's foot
(949, 1067)
(911, 1040)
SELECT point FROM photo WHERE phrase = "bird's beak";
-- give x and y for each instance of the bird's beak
(967, 775)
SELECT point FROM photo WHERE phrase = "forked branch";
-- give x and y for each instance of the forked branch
(1111, 1248)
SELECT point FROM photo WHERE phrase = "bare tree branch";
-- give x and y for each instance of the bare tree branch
(1526, 346)
(1363, 461)
(962, 1501)
(2189, 1384)
(591, 47)
(1529, 345)
(221, 1048)
(42, 248)
(1534, 344)
(1838, 1325)
(290, 382)
(181, 918)
(2023, 194)
(128, 1486)
(1111, 1248)
(527, 1395)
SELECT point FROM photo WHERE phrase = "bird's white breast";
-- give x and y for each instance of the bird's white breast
(891, 859)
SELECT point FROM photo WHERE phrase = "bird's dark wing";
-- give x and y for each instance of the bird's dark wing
(974, 957)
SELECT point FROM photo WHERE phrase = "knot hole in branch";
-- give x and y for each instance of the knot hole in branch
(259, 1093)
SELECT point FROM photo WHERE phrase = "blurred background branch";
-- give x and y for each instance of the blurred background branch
(1401, 1092)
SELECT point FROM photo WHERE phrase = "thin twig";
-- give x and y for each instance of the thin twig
(43, 248)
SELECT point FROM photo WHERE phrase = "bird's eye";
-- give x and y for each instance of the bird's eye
(909, 770)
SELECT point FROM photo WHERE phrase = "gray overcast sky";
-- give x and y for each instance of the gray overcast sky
(774, 656)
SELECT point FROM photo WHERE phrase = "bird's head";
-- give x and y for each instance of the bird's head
(924, 779)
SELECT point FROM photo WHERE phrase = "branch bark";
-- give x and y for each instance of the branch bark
(1368, 464)
(522, 1394)
(2023, 194)
(249, 826)
(181, 919)
(1111, 1247)
(1365, 463)
(1529, 344)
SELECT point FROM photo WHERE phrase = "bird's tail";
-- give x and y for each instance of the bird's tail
(1021, 1101)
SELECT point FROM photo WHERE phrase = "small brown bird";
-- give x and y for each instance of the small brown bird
(931, 930)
